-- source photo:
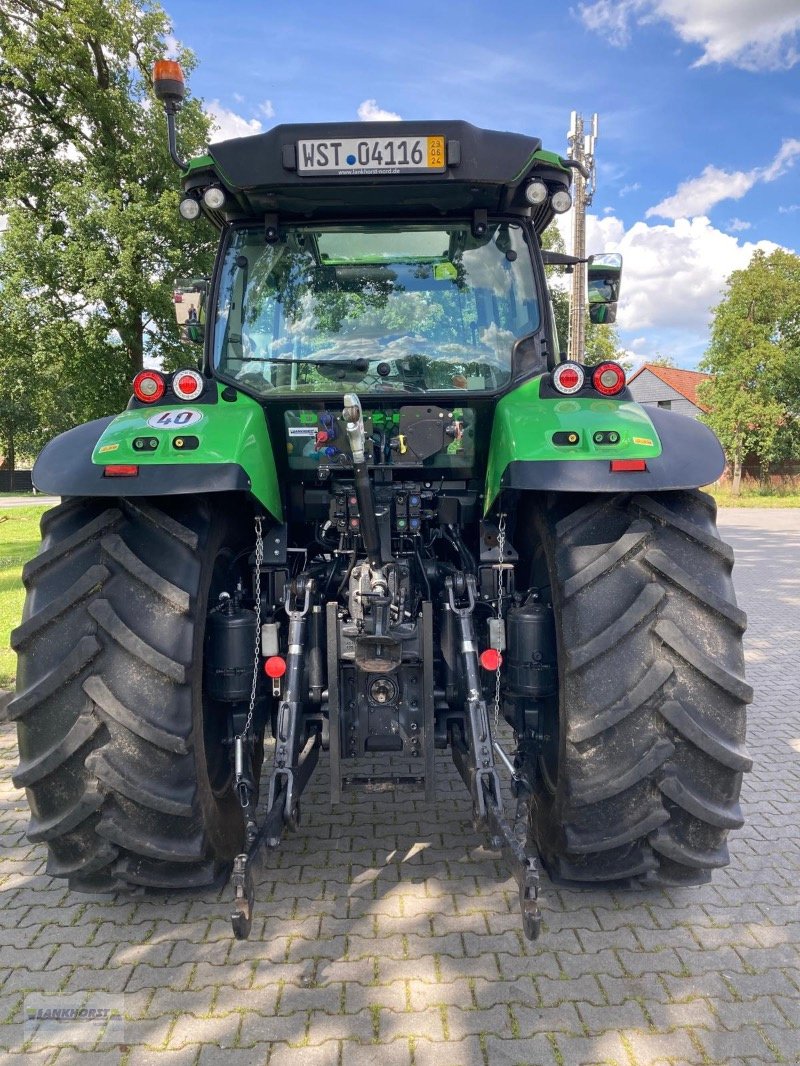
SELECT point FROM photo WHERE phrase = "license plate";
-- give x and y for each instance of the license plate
(372, 155)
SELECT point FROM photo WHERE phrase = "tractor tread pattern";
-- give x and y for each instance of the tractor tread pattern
(87, 648)
(653, 692)
(106, 521)
(109, 708)
(105, 699)
(88, 583)
(84, 728)
(107, 618)
(656, 676)
(116, 547)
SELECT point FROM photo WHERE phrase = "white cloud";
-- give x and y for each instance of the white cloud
(738, 225)
(228, 124)
(173, 46)
(698, 195)
(266, 109)
(673, 273)
(789, 209)
(368, 111)
(749, 35)
(238, 98)
(627, 189)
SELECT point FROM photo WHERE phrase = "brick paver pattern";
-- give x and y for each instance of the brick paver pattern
(384, 933)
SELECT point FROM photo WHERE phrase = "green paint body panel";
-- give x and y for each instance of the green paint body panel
(525, 424)
(229, 432)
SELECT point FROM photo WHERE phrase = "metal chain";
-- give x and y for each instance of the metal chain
(257, 649)
(501, 547)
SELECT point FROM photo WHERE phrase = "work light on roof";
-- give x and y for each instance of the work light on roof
(214, 197)
(189, 208)
(561, 201)
(536, 192)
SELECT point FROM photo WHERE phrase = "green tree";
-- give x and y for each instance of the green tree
(93, 238)
(754, 355)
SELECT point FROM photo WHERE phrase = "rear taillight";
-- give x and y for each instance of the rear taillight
(187, 384)
(568, 378)
(148, 386)
(608, 378)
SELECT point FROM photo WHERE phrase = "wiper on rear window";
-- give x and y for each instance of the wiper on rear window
(361, 363)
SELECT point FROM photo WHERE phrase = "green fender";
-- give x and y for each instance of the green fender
(215, 446)
(544, 442)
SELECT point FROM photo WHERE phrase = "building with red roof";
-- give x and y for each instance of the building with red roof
(666, 386)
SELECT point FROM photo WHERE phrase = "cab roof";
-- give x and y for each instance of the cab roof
(482, 170)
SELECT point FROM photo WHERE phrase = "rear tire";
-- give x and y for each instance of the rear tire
(640, 780)
(118, 749)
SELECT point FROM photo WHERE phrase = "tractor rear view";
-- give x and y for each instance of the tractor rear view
(381, 514)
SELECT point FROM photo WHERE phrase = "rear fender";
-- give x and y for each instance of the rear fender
(186, 448)
(549, 444)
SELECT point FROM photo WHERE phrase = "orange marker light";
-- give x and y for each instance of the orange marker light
(168, 81)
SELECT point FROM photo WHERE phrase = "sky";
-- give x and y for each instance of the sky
(698, 152)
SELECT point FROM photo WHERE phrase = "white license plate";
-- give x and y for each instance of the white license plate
(372, 155)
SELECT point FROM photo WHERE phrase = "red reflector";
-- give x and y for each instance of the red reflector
(491, 659)
(121, 471)
(275, 666)
(628, 464)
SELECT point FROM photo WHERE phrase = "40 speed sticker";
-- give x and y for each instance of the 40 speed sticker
(175, 419)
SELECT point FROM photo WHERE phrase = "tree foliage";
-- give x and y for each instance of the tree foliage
(93, 238)
(754, 356)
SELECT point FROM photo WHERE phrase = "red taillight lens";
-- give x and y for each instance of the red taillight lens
(608, 378)
(568, 378)
(187, 384)
(148, 386)
(121, 471)
(629, 465)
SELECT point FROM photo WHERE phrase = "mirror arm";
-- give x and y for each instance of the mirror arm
(171, 109)
(574, 164)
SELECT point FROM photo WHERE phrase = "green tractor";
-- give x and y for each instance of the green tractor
(381, 515)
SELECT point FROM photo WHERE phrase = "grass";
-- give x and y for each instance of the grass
(19, 541)
(757, 496)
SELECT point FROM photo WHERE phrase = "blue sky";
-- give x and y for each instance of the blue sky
(699, 104)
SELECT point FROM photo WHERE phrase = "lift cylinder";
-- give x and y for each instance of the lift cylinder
(230, 648)
(530, 659)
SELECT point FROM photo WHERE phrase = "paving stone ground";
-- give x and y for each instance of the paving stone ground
(385, 934)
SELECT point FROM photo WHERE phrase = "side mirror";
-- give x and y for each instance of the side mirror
(604, 274)
(189, 297)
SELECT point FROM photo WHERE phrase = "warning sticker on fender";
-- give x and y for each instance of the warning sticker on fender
(175, 419)
(643, 440)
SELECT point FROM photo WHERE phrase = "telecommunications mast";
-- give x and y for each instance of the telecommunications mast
(581, 149)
